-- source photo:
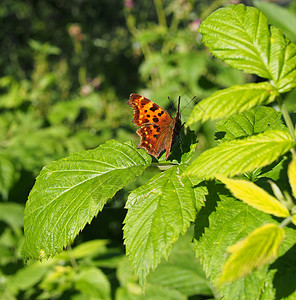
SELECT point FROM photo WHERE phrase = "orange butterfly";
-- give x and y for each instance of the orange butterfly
(158, 129)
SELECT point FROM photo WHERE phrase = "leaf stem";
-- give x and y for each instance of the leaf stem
(71, 257)
(160, 12)
(286, 222)
(287, 117)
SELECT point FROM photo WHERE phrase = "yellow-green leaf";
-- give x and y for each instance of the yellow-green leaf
(241, 155)
(253, 195)
(235, 99)
(294, 219)
(292, 175)
(257, 249)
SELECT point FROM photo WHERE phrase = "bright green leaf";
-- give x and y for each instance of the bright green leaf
(68, 193)
(243, 155)
(282, 61)
(255, 196)
(292, 175)
(158, 212)
(240, 36)
(248, 123)
(232, 100)
(257, 249)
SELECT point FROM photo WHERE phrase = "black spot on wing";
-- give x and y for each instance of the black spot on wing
(154, 108)
(156, 127)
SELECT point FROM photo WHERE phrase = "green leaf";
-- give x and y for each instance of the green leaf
(243, 155)
(282, 61)
(158, 213)
(255, 196)
(248, 123)
(93, 283)
(68, 193)
(257, 249)
(232, 100)
(279, 16)
(240, 36)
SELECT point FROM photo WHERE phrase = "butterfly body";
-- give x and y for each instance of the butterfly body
(158, 129)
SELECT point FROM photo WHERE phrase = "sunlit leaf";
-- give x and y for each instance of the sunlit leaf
(292, 175)
(240, 35)
(294, 219)
(223, 222)
(158, 212)
(257, 249)
(255, 196)
(68, 193)
(238, 156)
(232, 100)
(254, 121)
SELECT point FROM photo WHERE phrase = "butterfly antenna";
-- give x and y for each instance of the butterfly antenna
(179, 100)
(188, 103)
(172, 103)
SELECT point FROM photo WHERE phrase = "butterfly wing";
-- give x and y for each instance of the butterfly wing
(146, 111)
(156, 125)
(154, 139)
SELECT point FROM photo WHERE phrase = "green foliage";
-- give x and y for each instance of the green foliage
(279, 17)
(254, 121)
(69, 94)
(240, 36)
(242, 155)
(77, 188)
(224, 222)
(253, 195)
(232, 100)
(158, 212)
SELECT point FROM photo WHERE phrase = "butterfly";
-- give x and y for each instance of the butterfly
(158, 129)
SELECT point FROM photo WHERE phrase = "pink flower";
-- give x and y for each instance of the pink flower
(194, 25)
(128, 4)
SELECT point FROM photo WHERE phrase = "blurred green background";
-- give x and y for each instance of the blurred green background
(66, 71)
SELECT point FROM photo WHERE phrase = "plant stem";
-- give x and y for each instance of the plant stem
(286, 222)
(287, 118)
(160, 12)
